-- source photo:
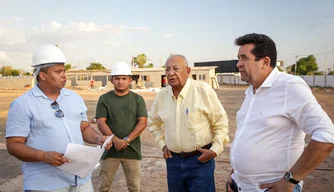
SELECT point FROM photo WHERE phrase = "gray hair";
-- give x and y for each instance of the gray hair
(179, 55)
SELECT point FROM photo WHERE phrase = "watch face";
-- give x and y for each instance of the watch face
(287, 176)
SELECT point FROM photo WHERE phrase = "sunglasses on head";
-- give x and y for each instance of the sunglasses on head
(58, 113)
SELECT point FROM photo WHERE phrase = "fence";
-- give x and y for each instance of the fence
(311, 80)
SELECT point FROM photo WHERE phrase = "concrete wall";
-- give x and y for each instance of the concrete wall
(83, 78)
(203, 74)
(319, 80)
(230, 79)
(311, 80)
(15, 81)
(153, 77)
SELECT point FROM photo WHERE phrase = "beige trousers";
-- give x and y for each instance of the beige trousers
(131, 168)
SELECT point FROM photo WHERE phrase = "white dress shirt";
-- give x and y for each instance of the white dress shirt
(271, 127)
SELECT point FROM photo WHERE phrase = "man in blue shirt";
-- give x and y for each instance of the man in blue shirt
(43, 121)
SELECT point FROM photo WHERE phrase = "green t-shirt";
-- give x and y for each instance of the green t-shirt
(122, 114)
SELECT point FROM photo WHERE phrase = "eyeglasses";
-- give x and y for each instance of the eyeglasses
(174, 69)
(58, 113)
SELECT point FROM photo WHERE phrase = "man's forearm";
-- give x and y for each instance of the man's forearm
(90, 135)
(104, 128)
(25, 153)
(140, 127)
(314, 154)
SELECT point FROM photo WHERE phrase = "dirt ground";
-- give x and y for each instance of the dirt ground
(153, 165)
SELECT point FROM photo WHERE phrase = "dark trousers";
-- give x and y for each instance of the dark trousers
(189, 174)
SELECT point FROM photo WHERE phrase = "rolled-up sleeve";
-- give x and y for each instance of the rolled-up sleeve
(303, 108)
(18, 121)
(83, 110)
(219, 124)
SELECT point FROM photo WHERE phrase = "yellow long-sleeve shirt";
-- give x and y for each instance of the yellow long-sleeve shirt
(196, 118)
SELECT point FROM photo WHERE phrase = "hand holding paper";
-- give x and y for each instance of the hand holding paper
(83, 158)
(105, 141)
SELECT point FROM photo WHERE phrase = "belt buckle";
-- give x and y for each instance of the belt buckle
(183, 154)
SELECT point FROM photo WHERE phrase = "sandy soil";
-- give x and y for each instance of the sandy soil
(153, 165)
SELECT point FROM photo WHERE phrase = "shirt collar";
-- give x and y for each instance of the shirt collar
(184, 90)
(268, 82)
(37, 92)
(271, 78)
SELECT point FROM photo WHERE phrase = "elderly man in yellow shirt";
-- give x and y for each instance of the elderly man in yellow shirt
(190, 125)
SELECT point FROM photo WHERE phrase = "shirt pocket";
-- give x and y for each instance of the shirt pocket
(193, 119)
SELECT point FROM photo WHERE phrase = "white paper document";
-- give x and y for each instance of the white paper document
(83, 158)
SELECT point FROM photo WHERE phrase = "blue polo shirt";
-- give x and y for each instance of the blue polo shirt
(32, 116)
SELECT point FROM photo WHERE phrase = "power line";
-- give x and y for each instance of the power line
(316, 53)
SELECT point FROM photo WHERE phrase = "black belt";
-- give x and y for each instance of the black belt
(192, 153)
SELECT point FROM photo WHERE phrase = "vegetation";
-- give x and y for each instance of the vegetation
(150, 65)
(68, 66)
(95, 66)
(305, 66)
(331, 73)
(279, 68)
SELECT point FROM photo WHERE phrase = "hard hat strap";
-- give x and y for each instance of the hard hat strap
(39, 67)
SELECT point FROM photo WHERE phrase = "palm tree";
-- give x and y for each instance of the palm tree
(141, 60)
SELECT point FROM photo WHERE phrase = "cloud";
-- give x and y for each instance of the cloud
(81, 42)
(168, 35)
(17, 18)
(10, 36)
(56, 32)
(112, 43)
(76, 31)
(4, 59)
(55, 25)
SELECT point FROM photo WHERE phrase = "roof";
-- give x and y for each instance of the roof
(205, 68)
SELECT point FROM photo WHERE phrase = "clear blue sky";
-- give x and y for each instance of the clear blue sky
(110, 31)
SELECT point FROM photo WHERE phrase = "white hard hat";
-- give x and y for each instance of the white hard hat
(47, 54)
(121, 68)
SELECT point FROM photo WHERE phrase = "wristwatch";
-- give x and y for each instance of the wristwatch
(127, 139)
(289, 177)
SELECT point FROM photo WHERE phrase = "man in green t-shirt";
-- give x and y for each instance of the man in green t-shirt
(123, 113)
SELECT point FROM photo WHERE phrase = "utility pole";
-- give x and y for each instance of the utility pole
(326, 71)
(326, 64)
(296, 65)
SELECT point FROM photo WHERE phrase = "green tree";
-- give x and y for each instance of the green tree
(141, 60)
(331, 73)
(95, 66)
(317, 73)
(306, 66)
(16, 72)
(27, 74)
(68, 66)
(288, 69)
(6, 70)
(150, 65)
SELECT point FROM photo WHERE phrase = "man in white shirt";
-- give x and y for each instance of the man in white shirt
(268, 152)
